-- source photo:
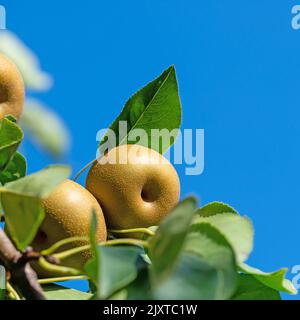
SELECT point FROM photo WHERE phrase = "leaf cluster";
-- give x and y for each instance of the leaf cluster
(195, 253)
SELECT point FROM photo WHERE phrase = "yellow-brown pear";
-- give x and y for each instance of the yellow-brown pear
(11, 89)
(68, 212)
(135, 186)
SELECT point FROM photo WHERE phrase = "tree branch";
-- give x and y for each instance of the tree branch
(18, 265)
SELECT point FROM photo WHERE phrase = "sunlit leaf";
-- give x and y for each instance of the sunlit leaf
(10, 138)
(15, 169)
(196, 279)
(275, 280)
(45, 128)
(139, 289)
(114, 268)
(168, 241)
(58, 292)
(22, 202)
(156, 106)
(214, 208)
(26, 60)
(237, 230)
(252, 289)
(205, 270)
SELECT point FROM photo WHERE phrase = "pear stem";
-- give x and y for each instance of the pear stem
(71, 252)
(83, 169)
(61, 243)
(129, 241)
(58, 269)
(12, 292)
(61, 279)
(137, 230)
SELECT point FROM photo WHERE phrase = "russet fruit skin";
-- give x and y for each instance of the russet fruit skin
(11, 89)
(68, 214)
(136, 194)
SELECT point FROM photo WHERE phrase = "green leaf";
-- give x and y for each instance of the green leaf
(26, 61)
(52, 137)
(113, 269)
(139, 289)
(207, 241)
(58, 292)
(167, 243)
(92, 265)
(196, 279)
(16, 169)
(120, 295)
(11, 118)
(252, 289)
(236, 229)
(214, 208)
(10, 138)
(93, 231)
(22, 202)
(275, 280)
(216, 276)
(156, 106)
(41, 183)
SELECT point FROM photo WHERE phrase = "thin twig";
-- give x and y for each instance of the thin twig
(83, 169)
(22, 275)
(12, 292)
(135, 230)
(68, 253)
(61, 243)
(62, 279)
(58, 269)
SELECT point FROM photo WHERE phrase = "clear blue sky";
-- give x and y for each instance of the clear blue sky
(238, 69)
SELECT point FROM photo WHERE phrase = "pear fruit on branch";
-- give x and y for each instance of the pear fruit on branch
(68, 213)
(12, 90)
(135, 186)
